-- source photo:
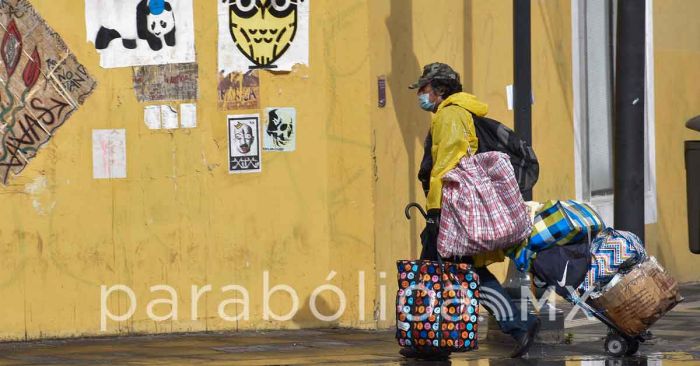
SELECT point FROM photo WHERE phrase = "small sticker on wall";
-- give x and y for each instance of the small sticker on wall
(151, 116)
(188, 115)
(166, 117)
(381, 91)
(109, 154)
(169, 117)
(237, 91)
(280, 129)
(244, 143)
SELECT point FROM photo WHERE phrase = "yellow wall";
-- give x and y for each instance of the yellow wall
(179, 218)
(676, 58)
(336, 204)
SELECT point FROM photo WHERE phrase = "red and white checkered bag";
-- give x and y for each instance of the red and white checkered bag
(482, 208)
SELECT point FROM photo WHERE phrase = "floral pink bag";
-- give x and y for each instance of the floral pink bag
(482, 208)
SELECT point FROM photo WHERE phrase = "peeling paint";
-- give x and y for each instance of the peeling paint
(36, 187)
(37, 190)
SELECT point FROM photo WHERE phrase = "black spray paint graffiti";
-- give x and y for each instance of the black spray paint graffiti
(155, 23)
(281, 131)
(31, 133)
(71, 80)
(14, 9)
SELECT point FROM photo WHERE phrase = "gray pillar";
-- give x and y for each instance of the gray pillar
(629, 117)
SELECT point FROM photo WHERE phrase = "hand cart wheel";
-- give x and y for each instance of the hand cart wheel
(616, 345)
(632, 347)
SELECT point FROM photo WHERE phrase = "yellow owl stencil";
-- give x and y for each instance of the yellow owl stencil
(263, 30)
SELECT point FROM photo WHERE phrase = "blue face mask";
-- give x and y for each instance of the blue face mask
(425, 102)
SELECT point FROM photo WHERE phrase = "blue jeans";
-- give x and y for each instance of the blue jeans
(497, 301)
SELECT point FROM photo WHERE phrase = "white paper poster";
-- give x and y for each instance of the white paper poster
(141, 32)
(263, 34)
(108, 154)
(151, 116)
(244, 143)
(169, 117)
(280, 131)
(188, 115)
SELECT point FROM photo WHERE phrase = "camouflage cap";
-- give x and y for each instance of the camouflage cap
(435, 71)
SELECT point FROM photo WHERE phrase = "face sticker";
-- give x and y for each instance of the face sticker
(244, 144)
(244, 138)
(161, 24)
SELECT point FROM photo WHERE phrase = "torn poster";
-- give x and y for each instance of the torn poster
(41, 85)
(168, 117)
(141, 32)
(108, 154)
(165, 83)
(244, 144)
(188, 115)
(151, 116)
(281, 129)
(239, 91)
(263, 34)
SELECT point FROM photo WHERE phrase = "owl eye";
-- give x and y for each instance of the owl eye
(281, 8)
(280, 5)
(244, 8)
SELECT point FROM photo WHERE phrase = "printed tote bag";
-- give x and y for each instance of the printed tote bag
(437, 306)
(611, 248)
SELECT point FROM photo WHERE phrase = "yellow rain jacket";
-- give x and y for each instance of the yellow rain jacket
(453, 130)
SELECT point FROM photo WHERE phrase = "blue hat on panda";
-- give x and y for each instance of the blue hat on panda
(156, 7)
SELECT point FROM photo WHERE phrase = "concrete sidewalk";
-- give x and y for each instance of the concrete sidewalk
(677, 342)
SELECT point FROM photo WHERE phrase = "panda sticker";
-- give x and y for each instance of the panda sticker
(141, 32)
(155, 23)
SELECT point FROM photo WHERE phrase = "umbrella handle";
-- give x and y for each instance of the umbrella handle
(407, 210)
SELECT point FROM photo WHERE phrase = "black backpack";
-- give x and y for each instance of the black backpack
(563, 265)
(495, 136)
